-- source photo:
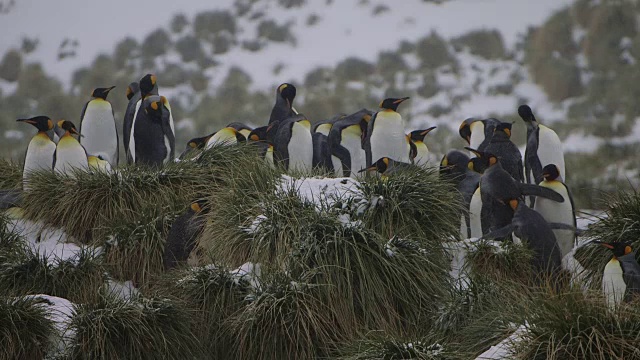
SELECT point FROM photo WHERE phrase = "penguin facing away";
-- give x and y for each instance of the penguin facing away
(41, 148)
(98, 127)
(543, 148)
(621, 277)
(183, 234)
(554, 212)
(345, 141)
(506, 151)
(70, 154)
(133, 96)
(283, 108)
(293, 145)
(419, 150)
(385, 134)
(148, 87)
(151, 130)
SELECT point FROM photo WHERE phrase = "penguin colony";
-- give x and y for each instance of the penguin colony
(504, 194)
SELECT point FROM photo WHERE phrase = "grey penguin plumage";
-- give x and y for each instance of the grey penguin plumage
(133, 96)
(283, 108)
(621, 276)
(507, 152)
(183, 234)
(454, 166)
(151, 130)
(386, 166)
(385, 133)
(98, 127)
(293, 145)
(528, 225)
(347, 134)
(69, 154)
(41, 149)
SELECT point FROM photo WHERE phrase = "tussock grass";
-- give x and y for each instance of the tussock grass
(414, 202)
(84, 202)
(78, 278)
(384, 346)
(574, 326)
(113, 328)
(25, 330)
(12, 245)
(10, 175)
(212, 294)
(620, 223)
(500, 261)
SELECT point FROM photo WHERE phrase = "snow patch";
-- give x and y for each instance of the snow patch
(503, 349)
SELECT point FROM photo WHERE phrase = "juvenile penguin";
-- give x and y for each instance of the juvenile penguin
(385, 134)
(293, 145)
(477, 133)
(226, 136)
(69, 153)
(133, 96)
(183, 235)
(543, 148)
(98, 127)
(532, 228)
(386, 166)
(151, 134)
(454, 166)
(419, 150)
(348, 134)
(507, 152)
(621, 277)
(554, 212)
(41, 149)
(283, 107)
(98, 163)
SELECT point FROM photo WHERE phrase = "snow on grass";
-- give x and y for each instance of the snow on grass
(48, 242)
(124, 290)
(320, 191)
(60, 311)
(503, 349)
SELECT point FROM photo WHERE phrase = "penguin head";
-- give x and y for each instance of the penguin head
(618, 248)
(68, 127)
(550, 172)
(199, 206)
(503, 127)
(392, 103)
(418, 135)
(465, 129)
(526, 114)
(42, 123)
(287, 92)
(380, 166)
(147, 84)
(132, 89)
(454, 162)
(197, 143)
(259, 133)
(102, 92)
(482, 161)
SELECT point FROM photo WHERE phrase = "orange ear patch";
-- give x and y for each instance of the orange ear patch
(385, 161)
(513, 203)
(627, 250)
(493, 160)
(154, 105)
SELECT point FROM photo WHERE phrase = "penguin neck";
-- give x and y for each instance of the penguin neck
(388, 110)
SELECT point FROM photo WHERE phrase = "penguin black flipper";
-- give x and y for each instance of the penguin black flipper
(166, 130)
(536, 190)
(321, 152)
(84, 110)
(500, 233)
(343, 154)
(367, 141)
(281, 144)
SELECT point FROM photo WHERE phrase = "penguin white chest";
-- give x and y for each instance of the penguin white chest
(613, 285)
(475, 209)
(39, 154)
(69, 155)
(352, 141)
(422, 158)
(300, 148)
(268, 157)
(477, 136)
(132, 140)
(556, 212)
(224, 136)
(550, 150)
(99, 136)
(388, 138)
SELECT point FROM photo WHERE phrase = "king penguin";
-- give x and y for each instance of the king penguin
(98, 129)
(419, 150)
(55, 134)
(152, 134)
(225, 136)
(195, 144)
(97, 163)
(477, 133)
(183, 235)
(507, 152)
(283, 108)
(555, 212)
(258, 138)
(386, 166)
(324, 126)
(385, 134)
(148, 87)
(133, 96)
(543, 148)
(41, 148)
(69, 153)
(346, 143)
(454, 166)
(621, 277)
(293, 145)
(478, 225)
(243, 129)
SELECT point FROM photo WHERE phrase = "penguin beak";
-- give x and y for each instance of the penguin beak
(427, 131)
(27, 121)
(370, 168)
(401, 100)
(608, 246)
(109, 89)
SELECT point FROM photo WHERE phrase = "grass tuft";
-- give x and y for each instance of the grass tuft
(500, 261)
(385, 346)
(25, 330)
(10, 175)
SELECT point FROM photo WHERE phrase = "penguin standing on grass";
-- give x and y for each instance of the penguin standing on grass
(69, 153)
(621, 278)
(385, 134)
(345, 143)
(555, 212)
(98, 127)
(41, 148)
(543, 148)
(283, 108)
(148, 87)
(152, 134)
(419, 153)
(293, 145)
(133, 96)
(183, 235)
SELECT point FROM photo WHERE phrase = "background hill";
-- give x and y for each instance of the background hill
(574, 62)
